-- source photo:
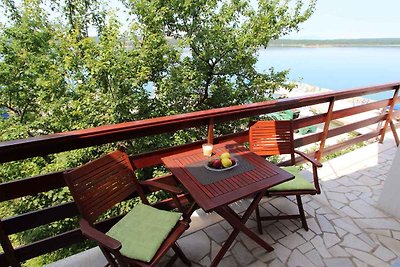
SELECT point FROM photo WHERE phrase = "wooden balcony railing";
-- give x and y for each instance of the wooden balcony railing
(44, 145)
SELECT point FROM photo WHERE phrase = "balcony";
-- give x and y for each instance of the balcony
(347, 228)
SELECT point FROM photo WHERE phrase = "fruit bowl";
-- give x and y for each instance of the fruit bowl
(211, 168)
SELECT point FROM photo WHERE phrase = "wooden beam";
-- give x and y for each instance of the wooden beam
(356, 125)
(312, 138)
(318, 154)
(210, 135)
(31, 186)
(8, 248)
(389, 115)
(40, 217)
(352, 141)
(338, 146)
(393, 128)
(337, 114)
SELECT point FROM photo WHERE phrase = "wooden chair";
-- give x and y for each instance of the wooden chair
(269, 138)
(142, 236)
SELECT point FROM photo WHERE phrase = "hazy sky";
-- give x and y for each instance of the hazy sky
(348, 19)
(342, 19)
(352, 19)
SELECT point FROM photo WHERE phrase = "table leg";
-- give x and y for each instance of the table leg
(224, 248)
(238, 225)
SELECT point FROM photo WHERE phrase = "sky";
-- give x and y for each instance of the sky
(335, 19)
(348, 19)
(352, 19)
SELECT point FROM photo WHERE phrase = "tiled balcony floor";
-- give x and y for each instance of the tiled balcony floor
(346, 226)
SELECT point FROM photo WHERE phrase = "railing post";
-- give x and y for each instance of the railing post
(318, 154)
(396, 137)
(389, 119)
(210, 136)
(8, 248)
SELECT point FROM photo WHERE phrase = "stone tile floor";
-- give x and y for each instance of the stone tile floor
(346, 226)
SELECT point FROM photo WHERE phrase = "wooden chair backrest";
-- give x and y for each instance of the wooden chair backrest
(268, 138)
(100, 184)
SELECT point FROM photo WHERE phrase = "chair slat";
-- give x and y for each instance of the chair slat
(268, 138)
(102, 183)
(87, 175)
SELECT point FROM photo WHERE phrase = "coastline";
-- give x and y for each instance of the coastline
(332, 45)
(363, 42)
(303, 89)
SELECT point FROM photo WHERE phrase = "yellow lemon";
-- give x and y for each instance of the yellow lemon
(225, 155)
(226, 162)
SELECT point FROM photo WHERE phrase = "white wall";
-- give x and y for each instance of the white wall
(389, 199)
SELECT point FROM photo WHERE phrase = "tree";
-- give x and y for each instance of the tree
(223, 38)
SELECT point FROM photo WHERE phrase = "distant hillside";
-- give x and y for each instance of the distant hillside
(338, 42)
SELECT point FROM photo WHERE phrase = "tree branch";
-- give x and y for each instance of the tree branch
(210, 75)
(23, 113)
(16, 111)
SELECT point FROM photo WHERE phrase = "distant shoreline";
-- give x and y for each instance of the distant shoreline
(331, 45)
(370, 42)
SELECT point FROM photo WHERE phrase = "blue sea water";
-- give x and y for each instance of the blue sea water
(336, 67)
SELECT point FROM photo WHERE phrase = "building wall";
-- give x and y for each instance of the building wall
(390, 196)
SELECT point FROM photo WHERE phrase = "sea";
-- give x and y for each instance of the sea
(336, 68)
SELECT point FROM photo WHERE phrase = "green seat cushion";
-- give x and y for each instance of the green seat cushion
(143, 230)
(298, 183)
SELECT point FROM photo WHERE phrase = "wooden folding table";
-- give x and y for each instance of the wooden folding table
(254, 178)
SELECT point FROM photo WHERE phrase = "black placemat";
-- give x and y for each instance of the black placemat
(205, 176)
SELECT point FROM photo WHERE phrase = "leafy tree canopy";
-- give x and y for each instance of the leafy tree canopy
(221, 39)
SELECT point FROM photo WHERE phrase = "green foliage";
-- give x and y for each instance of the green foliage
(222, 39)
(343, 151)
(55, 78)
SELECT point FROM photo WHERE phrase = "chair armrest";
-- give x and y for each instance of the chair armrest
(174, 191)
(168, 188)
(101, 238)
(312, 160)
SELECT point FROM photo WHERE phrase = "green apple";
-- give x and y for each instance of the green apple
(225, 155)
(226, 162)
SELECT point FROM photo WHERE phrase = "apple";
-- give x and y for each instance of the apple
(225, 155)
(216, 164)
(226, 162)
(233, 161)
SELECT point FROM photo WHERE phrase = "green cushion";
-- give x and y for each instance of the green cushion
(298, 183)
(143, 230)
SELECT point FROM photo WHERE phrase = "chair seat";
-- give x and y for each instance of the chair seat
(298, 183)
(143, 230)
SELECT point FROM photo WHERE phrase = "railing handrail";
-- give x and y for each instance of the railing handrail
(59, 142)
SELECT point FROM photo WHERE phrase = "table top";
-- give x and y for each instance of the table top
(229, 190)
